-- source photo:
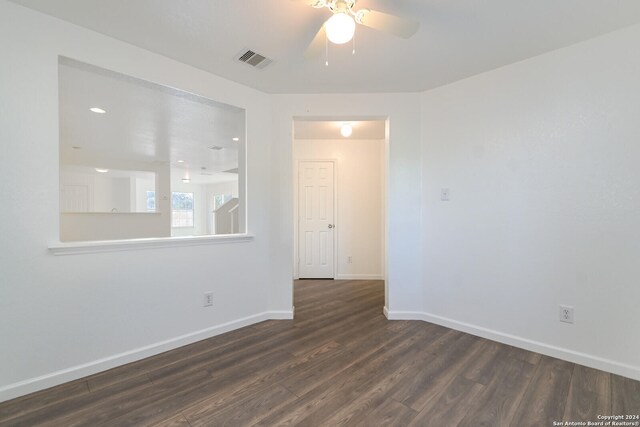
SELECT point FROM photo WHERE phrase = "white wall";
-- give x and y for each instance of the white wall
(62, 317)
(541, 158)
(403, 290)
(360, 208)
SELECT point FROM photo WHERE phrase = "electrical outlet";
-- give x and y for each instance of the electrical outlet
(208, 299)
(566, 314)
(444, 194)
(349, 260)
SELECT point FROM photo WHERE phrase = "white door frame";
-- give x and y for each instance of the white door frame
(296, 214)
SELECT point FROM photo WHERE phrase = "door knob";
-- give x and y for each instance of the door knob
(331, 226)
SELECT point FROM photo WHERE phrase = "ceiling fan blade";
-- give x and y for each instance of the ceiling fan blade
(317, 45)
(391, 24)
(314, 3)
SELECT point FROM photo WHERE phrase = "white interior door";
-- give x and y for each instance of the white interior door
(315, 220)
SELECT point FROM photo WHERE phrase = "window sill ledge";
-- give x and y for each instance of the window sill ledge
(75, 248)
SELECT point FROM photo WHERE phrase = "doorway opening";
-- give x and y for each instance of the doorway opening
(339, 199)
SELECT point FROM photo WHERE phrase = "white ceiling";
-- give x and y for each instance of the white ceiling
(456, 39)
(320, 129)
(111, 173)
(144, 123)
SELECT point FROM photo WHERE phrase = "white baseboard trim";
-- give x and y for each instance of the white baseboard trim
(42, 382)
(580, 358)
(359, 277)
(281, 315)
(385, 311)
(404, 315)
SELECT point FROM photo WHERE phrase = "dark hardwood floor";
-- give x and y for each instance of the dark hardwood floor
(340, 362)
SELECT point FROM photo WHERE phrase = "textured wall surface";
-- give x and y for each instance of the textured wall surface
(541, 159)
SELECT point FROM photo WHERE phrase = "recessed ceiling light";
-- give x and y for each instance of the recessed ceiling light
(186, 180)
(75, 147)
(102, 170)
(346, 130)
(97, 110)
(236, 139)
(180, 161)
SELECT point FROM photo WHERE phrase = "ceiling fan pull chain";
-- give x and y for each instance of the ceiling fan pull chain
(326, 51)
(353, 52)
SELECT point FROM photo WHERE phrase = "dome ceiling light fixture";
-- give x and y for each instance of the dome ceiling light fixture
(346, 130)
(341, 26)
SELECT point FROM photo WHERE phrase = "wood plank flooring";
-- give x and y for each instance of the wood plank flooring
(340, 362)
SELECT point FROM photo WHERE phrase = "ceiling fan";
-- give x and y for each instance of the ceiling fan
(341, 26)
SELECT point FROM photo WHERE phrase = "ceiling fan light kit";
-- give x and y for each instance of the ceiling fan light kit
(340, 27)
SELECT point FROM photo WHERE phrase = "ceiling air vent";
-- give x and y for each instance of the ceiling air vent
(254, 59)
